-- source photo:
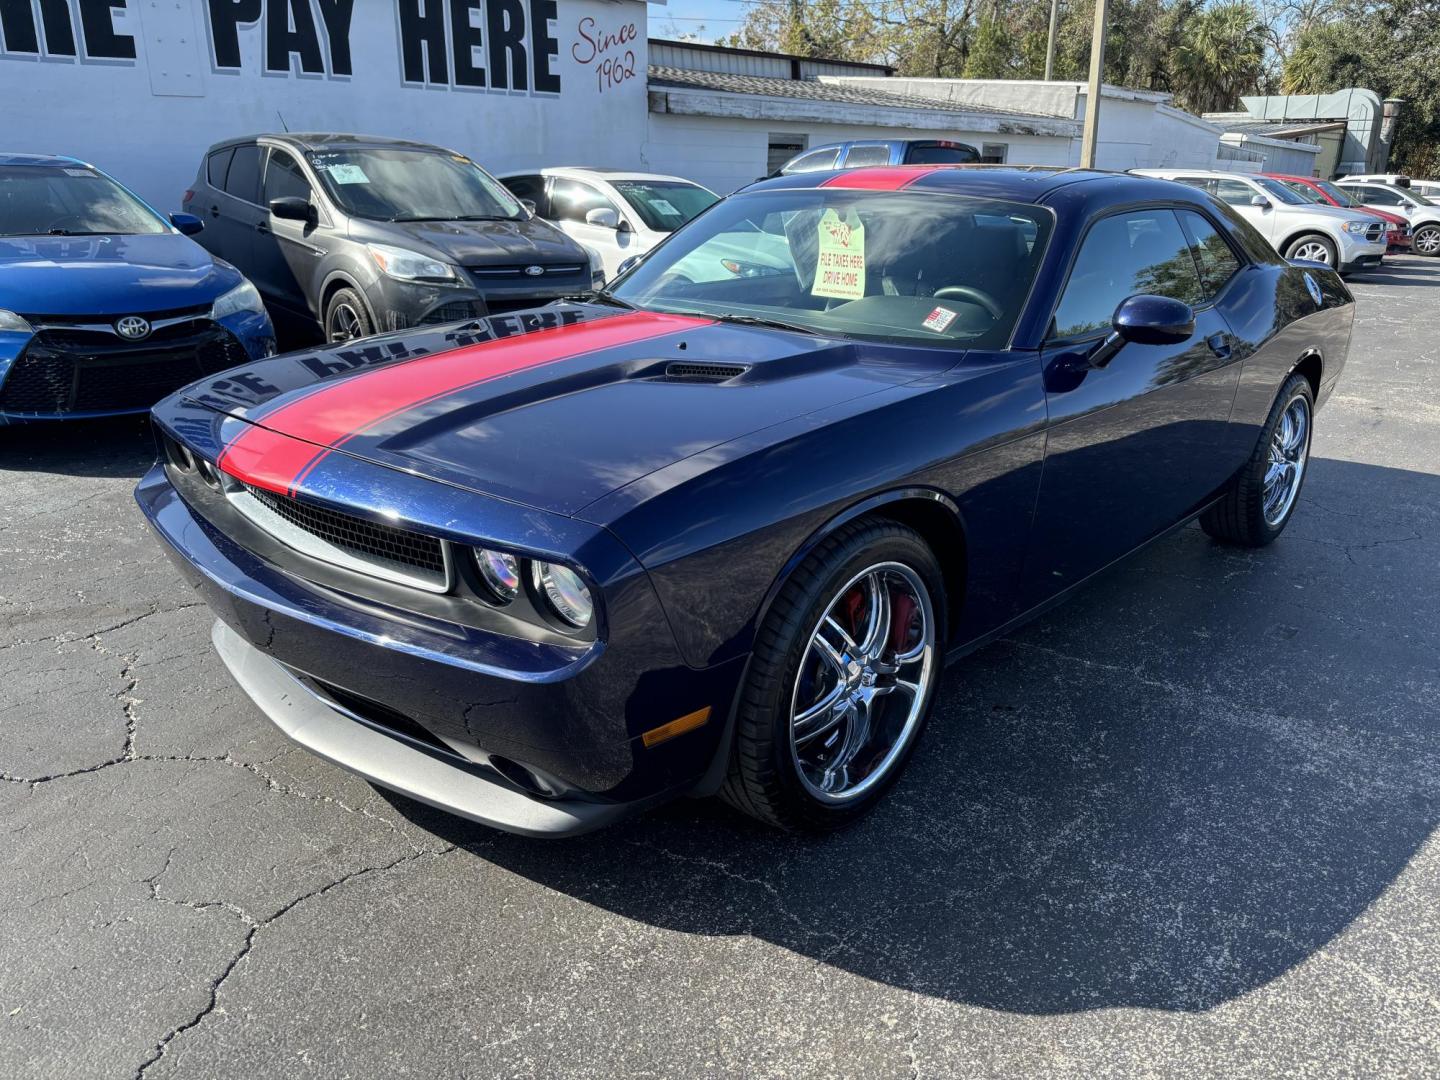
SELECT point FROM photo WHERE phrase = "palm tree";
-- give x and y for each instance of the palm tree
(1219, 58)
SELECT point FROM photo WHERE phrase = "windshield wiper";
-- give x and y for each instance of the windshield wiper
(80, 232)
(598, 296)
(757, 320)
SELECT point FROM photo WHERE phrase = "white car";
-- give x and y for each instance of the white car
(1348, 240)
(1423, 215)
(615, 214)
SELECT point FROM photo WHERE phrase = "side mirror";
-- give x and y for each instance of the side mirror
(1145, 320)
(1260, 201)
(603, 217)
(529, 205)
(188, 224)
(294, 208)
(626, 265)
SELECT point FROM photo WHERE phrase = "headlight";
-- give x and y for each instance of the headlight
(242, 297)
(10, 321)
(1356, 226)
(409, 265)
(501, 573)
(565, 593)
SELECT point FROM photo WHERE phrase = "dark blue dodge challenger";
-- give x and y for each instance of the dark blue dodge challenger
(719, 529)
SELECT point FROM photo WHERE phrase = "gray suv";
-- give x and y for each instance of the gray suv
(362, 235)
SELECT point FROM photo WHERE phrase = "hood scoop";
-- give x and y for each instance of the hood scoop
(696, 371)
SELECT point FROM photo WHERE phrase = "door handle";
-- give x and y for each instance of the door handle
(262, 228)
(1219, 345)
(214, 211)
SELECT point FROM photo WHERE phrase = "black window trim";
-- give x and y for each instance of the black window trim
(1049, 340)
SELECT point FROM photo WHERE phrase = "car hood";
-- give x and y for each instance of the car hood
(553, 409)
(482, 243)
(1337, 213)
(108, 275)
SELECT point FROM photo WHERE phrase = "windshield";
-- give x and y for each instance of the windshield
(1339, 194)
(413, 185)
(1305, 191)
(665, 205)
(1280, 191)
(879, 265)
(48, 200)
(1414, 197)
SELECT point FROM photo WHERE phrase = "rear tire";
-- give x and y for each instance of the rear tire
(1261, 498)
(347, 318)
(823, 730)
(1426, 241)
(1315, 247)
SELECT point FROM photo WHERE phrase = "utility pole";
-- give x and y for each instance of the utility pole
(1092, 97)
(1050, 48)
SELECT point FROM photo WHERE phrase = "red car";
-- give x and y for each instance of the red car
(1397, 229)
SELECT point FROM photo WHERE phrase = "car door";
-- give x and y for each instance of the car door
(570, 201)
(236, 211)
(288, 252)
(205, 204)
(1240, 195)
(1136, 445)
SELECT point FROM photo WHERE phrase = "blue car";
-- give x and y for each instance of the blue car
(721, 534)
(105, 306)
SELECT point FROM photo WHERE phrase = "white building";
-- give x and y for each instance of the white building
(141, 89)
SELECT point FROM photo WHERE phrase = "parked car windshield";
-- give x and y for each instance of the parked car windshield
(889, 266)
(1339, 194)
(665, 205)
(1280, 191)
(413, 185)
(46, 200)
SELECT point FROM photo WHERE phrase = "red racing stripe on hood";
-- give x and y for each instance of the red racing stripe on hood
(880, 177)
(299, 434)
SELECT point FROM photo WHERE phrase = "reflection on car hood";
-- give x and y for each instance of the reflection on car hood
(553, 408)
(481, 243)
(108, 275)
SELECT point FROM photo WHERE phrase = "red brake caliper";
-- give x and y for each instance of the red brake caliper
(902, 612)
(854, 600)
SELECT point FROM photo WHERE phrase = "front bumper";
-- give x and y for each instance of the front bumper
(250, 330)
(347, 739)
(559, 726)
(399, 305)
(1357, 255)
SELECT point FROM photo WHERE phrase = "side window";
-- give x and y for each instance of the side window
(863, 154)
(529, 187)
(283, 177)
(815, 161)
(217, 165)
(243, 179)
(1143, 251)
(1234, 192)
(571, 200)
(1217, 260)
(954, 154)
(1377, 196)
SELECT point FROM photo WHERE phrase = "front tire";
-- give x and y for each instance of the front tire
(1261, 498)
(347, 318)
(841, 680)
(1316, 248)
(1426, 241)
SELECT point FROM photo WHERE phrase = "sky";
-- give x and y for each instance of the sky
(717, 17)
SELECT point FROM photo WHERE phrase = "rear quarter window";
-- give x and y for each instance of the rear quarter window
(217, 165)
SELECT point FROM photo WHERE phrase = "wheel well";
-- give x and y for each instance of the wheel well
(1307, 232)
(938, 527)
(331, 288)
(1310, 367)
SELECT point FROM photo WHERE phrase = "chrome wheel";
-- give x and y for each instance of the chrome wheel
(345, 324)
(1289, 450)
(1313, 250)
(863, 682)
(1427, 241)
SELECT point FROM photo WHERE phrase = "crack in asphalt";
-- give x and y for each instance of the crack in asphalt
(64, 637)
(255, 926)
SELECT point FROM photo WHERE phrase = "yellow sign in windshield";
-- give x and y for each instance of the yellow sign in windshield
(840, 265)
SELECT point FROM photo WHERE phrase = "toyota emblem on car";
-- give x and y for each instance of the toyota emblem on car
(132, 328)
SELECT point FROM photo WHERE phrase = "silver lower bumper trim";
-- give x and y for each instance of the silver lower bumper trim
(391, 763)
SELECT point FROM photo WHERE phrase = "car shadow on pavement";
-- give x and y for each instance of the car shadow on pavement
(1165, 794)
(110, 447)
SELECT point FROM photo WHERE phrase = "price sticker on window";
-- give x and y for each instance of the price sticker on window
(840, 261)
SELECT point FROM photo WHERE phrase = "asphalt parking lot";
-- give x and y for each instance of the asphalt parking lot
(1181, 827)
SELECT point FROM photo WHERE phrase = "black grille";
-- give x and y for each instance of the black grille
(694, 372)
(356, 535)
(65, 370)
(1375, 231)
(555, 270)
